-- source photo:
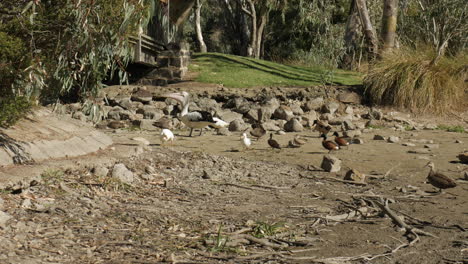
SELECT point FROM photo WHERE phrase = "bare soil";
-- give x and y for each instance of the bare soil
(204, 200)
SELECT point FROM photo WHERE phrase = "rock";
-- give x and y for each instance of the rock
(379, 137)
(121, 172)
(420, 151)
(349, 125)
(375, 114)
(293, 125)
(357, 141)
(349, 98)
(393, 139)
(4, 217)
(207, 104)
(1, 203)
(116, 124)
(314, 104)
(296, 108)
(354, 175)
(126, 104)
(309, 118)
(169, 109)
(237, 125)
(373, 123)
(265, 113)
(271, 126)
(150, 169)
(79, 115)
(101, 125)
(114, 114)
(238, 104)
(422, 141)
(430, 126)
(142, 95)
(409, 145)
(463, 157)
(432, 146)
(145, 124)
(331, 163)
(326, 116)
(223, 132)
(252, 115)
(466, 176)
(360, 125)
(458, 141)
(352, 133)
(100, 171)
(330, 107)
(281, 132)
(283, 112)
(141, 140)
(228, 115)
(127, 115)
(349, 110)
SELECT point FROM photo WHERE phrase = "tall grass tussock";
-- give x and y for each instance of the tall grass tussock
(414, 80)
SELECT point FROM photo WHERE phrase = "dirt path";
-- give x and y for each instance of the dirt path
(201, 202)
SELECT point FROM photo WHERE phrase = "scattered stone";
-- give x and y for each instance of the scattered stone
(272, 125)
(126, 104)
(296, 108)
(430, 126)
(463, 157)
(422, 141)
(349, 110)
(372, 123)
(375, 114)
(283, 112)
(357, 141)
(432, 146)
(237, 125)
(79, 115)
(223, 131)
(420, 151)
(466, 176)
(100, 171)
(349, 125)
(352, 133)
(145, 124)
(26, 203)
(1, 203)
(349, 98)
(423, 158)
(330, 107)
(293, 125)
(458, 141)
(115, 124)
(121, 172)
(265, 113)
(314, 104)
(326, 116)
(379, 137)
(355, 175)
(4, 217)
(206, 175)
(392, 139)
(281, 132)
(409, 145)
(142, 95)
(331, 163)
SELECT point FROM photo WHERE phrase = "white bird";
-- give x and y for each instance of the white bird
(166, 136)
(246, 142)
(219, 123)
(195, 119)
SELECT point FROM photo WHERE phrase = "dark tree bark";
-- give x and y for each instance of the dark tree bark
(351, 37)
(389, 25)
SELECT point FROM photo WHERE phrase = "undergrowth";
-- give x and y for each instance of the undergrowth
(411, 79)
(12, 109)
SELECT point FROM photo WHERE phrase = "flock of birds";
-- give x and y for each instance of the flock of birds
(202, 119)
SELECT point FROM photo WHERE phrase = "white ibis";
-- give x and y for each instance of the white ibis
(166, 136)
(246, 142)
(195, 119)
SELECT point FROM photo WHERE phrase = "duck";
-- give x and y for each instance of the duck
(292, 144)
(245, 140)
(219, 123)
(163, 123)
(194, 119)
(258, 131)
(340, 141)
(322, 127)
(273, 143)
(438, 179)
(330, 145)
(166, 136)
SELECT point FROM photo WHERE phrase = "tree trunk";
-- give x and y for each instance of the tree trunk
(201, 42)
(389, 25)
(261, 28)
(252, 13)
(351, 37)
(368, 30)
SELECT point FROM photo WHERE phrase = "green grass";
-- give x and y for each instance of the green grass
(458, 129)
(243, 72)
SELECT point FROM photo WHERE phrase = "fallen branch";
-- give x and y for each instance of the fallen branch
(245, 187)
(263, 242)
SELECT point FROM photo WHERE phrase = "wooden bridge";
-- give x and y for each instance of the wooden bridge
(146, 49)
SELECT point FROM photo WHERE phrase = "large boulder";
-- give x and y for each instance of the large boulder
(293, 125)
(349, 98)
(142, 95)
(283, 112)
(331, 163)
(123, 174)
(314, 104)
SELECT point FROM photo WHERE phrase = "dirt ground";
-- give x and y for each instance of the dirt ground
(202, 200)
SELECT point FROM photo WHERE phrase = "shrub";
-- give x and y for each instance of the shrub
(411, 79)
(12, 109)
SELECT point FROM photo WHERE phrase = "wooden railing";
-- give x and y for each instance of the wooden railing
(146, 49)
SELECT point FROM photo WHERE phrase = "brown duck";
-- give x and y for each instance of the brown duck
(330, 145)
(258, 131)
(298, 140)
(322, 127)
(340, 141)
(438, 179)
(273, 143)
